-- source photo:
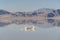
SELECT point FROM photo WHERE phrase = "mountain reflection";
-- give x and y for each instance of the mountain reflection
(50, 22)
(3, 24)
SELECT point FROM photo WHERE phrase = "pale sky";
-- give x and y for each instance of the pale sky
(28, 5)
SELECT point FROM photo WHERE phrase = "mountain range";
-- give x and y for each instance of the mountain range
(40, 16)
(36, 12)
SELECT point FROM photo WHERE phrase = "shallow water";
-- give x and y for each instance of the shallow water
(13, 32)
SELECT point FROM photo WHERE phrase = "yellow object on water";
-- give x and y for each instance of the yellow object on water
(29, 28)
(32, 28)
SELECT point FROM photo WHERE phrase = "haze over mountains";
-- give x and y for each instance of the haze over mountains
(40, 16)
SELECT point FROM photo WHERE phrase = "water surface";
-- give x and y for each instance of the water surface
(13, 32)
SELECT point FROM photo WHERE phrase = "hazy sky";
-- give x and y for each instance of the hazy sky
(28, 5)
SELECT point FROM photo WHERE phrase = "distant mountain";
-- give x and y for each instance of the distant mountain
(4, 12)
(20, 13)
(47, 11)
(34, 13)
(58, 11)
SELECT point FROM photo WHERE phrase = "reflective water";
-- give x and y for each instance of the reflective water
(14, 32)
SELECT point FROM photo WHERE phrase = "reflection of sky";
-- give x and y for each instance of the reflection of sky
(35, 23)
(13, 32)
